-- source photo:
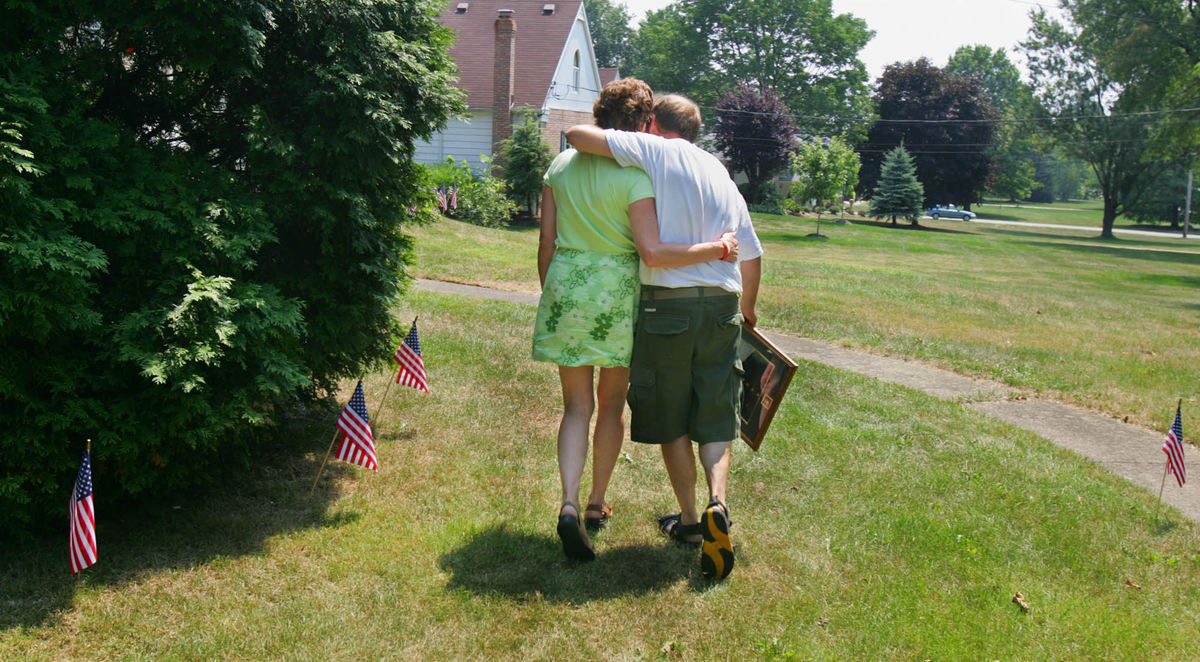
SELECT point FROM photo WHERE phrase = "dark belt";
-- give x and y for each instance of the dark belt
(655, 293)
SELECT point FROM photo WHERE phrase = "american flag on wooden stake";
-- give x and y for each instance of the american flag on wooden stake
(412, 366)
(358, 444)
(1173, 447)
(82, 541)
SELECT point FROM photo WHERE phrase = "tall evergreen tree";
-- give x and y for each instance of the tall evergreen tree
(200, 208)
(523, 159)
(898, 192)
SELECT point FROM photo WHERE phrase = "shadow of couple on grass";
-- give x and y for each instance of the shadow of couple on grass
(524, 566)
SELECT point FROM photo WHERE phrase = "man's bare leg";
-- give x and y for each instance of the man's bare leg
(681, 469)
(716, 458)
(716, 552)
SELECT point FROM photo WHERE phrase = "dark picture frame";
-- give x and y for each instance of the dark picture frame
(767, 372)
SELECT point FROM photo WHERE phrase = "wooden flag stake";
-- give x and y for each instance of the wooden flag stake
(314, 485)
(1158, 507)
(379, 408)
(89, 446)
(1166, 465)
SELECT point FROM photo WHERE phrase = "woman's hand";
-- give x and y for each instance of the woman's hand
(731, 242)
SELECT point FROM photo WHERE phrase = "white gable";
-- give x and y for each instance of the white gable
(575, 87)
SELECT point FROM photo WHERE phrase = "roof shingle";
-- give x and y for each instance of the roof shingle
(540, 37)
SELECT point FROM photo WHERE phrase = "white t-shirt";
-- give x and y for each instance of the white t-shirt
(696, 202)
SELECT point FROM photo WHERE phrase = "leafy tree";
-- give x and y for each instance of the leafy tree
(523, 159)
(671, 53)
(827, 172)
(1059, 176)
(201, 206)
(755, 133)
(1013, 171)
(996, 75)
(946, 122)
(797, 47)
(609, 25)
(899, 192)
(1165, 201)
(1107, 113)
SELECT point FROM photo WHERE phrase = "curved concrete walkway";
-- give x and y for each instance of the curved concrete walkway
(1126, 450)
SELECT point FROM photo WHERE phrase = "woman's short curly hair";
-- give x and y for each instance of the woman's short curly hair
(626, 104)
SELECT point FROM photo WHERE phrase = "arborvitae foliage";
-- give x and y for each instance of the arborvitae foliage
(200, 208)
(898, 192)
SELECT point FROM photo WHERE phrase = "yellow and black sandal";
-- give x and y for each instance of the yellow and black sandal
(716, 553)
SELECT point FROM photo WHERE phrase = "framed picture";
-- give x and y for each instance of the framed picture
(767, 374)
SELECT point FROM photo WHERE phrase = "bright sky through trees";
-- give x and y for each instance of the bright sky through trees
(932, 28)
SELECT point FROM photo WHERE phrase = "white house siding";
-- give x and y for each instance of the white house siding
(464, 141)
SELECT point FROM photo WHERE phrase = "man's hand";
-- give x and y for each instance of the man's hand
(730, 240)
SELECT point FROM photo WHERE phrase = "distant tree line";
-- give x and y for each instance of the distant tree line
(1105, 114)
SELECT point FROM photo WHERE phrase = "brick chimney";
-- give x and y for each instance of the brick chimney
(503, 77)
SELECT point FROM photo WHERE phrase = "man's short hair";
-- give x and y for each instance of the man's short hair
(678, 114)
(626, 104)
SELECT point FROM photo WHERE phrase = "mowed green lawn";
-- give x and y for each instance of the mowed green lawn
(875, 523)
(1107, 325)
(1089, 213)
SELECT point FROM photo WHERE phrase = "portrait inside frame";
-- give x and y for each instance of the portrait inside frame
(767, 372)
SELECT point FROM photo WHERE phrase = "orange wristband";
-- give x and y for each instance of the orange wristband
(726, 247)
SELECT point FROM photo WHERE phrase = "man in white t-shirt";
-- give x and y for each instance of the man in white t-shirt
(685, 376)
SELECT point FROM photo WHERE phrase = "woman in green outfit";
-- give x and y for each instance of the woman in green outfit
(597, 218)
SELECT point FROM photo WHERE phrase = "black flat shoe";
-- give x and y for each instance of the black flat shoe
(574, 538)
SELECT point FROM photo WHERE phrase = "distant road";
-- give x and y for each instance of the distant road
(1083, 228)
(990, 204)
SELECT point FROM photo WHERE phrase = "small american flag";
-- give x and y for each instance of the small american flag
(1173, 447)
(453, 202)
(412, 366)
(82, 542)
(441, 196)
(358, 444)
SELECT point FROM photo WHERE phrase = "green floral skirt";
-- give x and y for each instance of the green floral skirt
(588, 308)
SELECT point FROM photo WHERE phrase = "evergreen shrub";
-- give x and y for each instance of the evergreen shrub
(199, 225)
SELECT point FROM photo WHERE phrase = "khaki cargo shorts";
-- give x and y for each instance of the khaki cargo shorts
(685, 376)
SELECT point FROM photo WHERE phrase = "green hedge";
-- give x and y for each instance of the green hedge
(200, 209)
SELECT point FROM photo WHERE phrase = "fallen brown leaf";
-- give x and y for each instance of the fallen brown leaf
(1132, 585)
(1020, 600)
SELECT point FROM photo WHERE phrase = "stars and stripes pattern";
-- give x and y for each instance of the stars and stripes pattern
(453, 201)
(82, 542)
(1173, 447)
(358, 444)
(441, 196)
(412, 366)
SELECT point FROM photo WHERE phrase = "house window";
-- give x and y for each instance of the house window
(575, 74)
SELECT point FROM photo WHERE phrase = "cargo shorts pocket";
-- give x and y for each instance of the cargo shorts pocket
(660, 336)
